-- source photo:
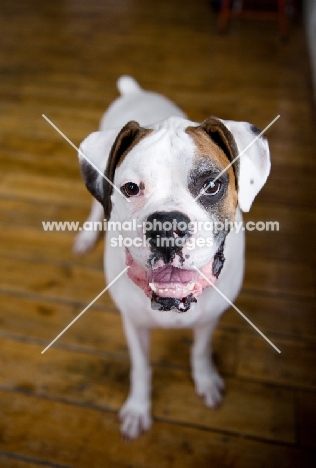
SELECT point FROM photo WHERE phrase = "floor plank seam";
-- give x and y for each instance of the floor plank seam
(65, 401)
(82, 349)
(68, 264)
(174, 422)
(277, 335)
(231, 433)
(124, 357)
(52, 299)
(25, 458)
(279, 294)
(83, 204)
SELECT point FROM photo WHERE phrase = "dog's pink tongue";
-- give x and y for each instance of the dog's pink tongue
(170, 277)
(170, 274)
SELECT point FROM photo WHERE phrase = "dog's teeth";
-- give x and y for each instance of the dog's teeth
(178, 288)
(152, 287)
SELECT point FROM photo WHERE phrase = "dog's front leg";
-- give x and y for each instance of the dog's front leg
(136, 411)
(208, 382)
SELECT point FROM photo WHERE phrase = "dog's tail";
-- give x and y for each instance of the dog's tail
(127, 85)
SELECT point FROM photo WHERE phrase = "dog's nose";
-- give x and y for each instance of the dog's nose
(167, 232)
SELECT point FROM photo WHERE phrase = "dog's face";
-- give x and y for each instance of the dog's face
(181, 183)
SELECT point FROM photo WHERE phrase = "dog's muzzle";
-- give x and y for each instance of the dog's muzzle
(168, 232)
(165, 280)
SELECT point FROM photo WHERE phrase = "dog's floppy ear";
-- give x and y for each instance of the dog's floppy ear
(99, 149)
(93, 156)
(254, 163)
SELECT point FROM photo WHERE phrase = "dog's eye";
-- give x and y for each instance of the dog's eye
(211, 188)
(130, 189)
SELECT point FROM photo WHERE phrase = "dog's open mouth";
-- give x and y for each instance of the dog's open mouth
(169, 281)
(173, 288)
(169, 287)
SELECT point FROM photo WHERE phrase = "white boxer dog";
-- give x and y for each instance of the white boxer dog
(179, 186)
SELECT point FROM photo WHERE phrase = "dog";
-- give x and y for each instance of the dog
(170, 175)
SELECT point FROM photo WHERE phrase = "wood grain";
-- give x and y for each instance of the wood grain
(252, 409)
(81, 436)
(59, 409)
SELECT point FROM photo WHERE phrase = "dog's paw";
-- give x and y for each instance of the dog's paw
(135, 418)
(210, 387)
(84, 242)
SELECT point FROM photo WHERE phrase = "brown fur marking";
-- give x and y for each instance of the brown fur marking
(206, 148)
(131, 134)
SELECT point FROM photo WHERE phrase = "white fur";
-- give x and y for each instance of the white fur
(163, 158)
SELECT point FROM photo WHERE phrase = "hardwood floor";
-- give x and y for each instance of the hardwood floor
(59, 409)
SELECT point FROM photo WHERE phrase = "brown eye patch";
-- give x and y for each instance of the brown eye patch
(209, 161)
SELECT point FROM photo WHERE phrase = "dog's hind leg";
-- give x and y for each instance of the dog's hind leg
(208, 383)
(135, 414)
(86, 239)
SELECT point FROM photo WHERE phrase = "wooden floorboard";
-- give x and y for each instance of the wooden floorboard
(62, 59)
(80, 436)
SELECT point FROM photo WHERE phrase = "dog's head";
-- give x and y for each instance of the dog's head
(177, 187)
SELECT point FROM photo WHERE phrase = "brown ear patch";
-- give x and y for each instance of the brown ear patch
(129, 136)
(205, 146)
(223, 138)
(213, 140)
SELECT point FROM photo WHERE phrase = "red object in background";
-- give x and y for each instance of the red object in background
(261, 9)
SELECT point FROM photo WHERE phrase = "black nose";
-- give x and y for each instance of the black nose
(167, 233)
